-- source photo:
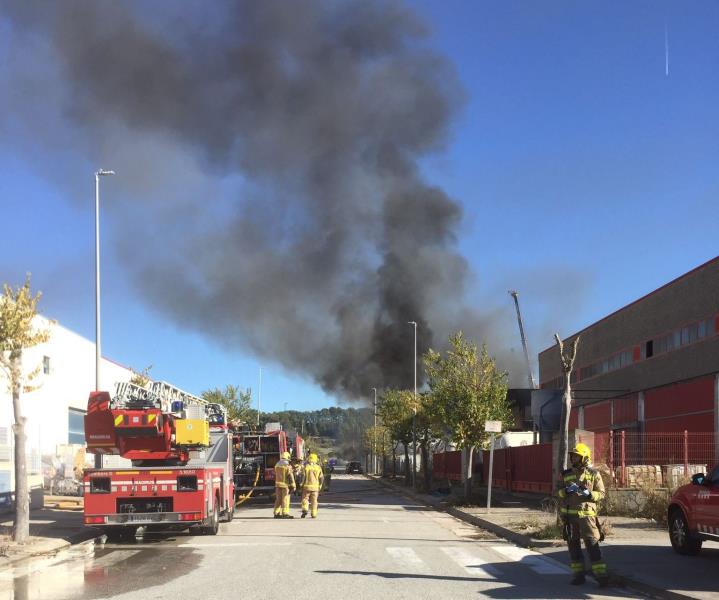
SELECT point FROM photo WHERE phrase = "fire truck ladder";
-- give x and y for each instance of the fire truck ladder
(165, 397)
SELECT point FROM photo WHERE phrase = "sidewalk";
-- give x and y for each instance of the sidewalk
(55, 527)
(637, 551)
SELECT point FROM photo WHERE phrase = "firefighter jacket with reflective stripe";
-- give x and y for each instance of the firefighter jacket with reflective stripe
(581, 505)
(313, 478)
(283, 475)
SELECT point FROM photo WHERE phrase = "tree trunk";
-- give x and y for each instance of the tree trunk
(425, 465)
(407, 479)
(468, 478)
(21, 528)
(564, 431)
(567, 362)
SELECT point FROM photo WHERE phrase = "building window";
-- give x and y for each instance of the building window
(702, 329)
(674, 340)
(75, 426)
(46, 365)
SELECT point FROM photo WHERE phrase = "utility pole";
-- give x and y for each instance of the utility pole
(414, 414)
(259, 401)
(374, 437)
(530, 376)
(98, 330)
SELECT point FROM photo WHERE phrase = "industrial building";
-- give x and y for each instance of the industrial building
(652, 366)
(55, 408)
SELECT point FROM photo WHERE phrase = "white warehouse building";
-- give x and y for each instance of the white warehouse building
(55, 409)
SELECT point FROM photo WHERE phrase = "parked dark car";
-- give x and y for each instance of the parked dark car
(353, 467)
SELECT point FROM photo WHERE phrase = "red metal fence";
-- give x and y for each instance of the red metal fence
(447, 465)
(665, 459)
(632, 459)
(521, 468)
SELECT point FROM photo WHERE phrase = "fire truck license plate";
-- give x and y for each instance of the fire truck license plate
(136, 518)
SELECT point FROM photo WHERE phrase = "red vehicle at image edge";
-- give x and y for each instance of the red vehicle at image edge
(182, 460)
(693, 513)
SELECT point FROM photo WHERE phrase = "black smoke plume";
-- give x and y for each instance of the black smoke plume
(315, 114)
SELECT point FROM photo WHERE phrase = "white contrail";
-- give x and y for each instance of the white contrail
(666, 50)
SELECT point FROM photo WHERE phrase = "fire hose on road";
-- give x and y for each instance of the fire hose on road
(247, 496)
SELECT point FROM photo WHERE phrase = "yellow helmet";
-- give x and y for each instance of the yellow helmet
(313, 458)
(582, 450)
(285, 455)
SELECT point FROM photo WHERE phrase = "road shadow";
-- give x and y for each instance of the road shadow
(657, 565)
(516, 578)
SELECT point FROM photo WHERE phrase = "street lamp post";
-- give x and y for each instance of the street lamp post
(98, 331)
(414, 414)
(259, 401)
(374, 437)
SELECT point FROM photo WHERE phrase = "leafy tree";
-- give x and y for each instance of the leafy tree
(468, 390)
(18, 308)
(429, 426)
(395, 411)
(237, 402)
(378, 438)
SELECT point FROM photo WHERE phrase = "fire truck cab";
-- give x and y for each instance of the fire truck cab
(693, 514)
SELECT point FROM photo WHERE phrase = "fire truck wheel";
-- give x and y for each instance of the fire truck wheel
(214, 525)
(680, 536)
(120, 534)
(230, 512)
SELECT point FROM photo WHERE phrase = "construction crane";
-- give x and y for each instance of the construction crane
(530, 377)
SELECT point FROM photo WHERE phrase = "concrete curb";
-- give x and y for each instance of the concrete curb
(48, 547)
(526, 541)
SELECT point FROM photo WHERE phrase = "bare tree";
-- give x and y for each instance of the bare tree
(567, 361)
(18, 308)
(141, 378)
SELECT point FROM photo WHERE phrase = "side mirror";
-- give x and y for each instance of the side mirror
(698, 479)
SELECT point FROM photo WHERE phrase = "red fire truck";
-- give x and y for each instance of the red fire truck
(256, 455)
(693, 513)
(181, 452)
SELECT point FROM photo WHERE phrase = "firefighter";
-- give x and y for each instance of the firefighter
(314, 478)
(327, 471)
(284, 484)
(299, 473)
(582, 489)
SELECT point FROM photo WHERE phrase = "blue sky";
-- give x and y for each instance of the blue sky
(587, 178)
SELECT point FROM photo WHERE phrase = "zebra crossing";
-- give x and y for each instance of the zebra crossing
(483, 563)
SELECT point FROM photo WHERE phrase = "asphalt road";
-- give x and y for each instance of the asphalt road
(366, 543)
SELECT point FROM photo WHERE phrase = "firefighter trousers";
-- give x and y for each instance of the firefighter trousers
(309, 501)
(585, 528)
(282, 501)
